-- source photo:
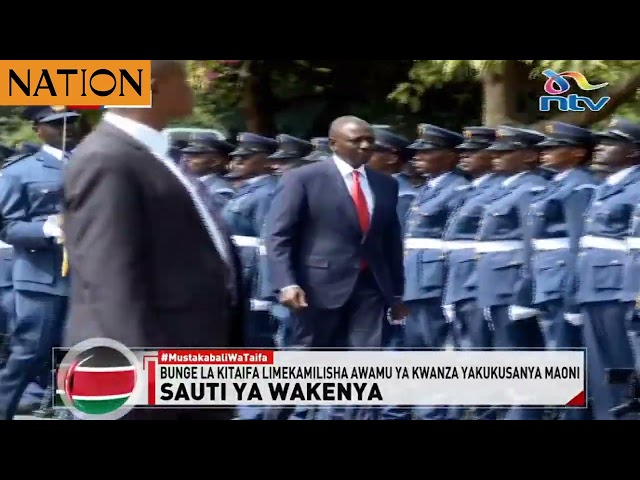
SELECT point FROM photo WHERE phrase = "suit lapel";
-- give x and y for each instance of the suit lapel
(343, 196)
(191, 188)
(376, 193)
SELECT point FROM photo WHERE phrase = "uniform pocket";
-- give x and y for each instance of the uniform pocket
(608, 275)
(551, 275)
(507, 271)
(431, 270)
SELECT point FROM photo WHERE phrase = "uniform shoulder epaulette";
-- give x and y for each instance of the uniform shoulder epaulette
(537, 189)
(14, 159)
(585, 186)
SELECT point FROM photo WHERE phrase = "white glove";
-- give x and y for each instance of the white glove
(51, 227)
(574, 319)
(517, 312)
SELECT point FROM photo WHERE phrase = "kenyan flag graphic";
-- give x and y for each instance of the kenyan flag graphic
(99, 381)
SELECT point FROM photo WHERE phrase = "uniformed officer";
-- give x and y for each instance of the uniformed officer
(504, 286)
(27, 148)
(426, 325)
(459, 302)
(459, 299)
(555, 225)
(175, 150)
(321, 150)
(601, 290)
(6, 152)
(207, 157)
(7, 304)
(291, 153)
(390, 156)
(40, 289)
(245, 214)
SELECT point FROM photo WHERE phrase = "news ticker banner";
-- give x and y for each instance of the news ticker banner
(76, 84)
(103, 379)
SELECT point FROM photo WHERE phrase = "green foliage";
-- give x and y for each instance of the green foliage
(13, 129)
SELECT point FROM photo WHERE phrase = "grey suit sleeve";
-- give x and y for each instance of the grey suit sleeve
(104, 235)
(394, 246)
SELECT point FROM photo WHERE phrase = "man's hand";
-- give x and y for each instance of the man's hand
(293, 297)
(398, 313)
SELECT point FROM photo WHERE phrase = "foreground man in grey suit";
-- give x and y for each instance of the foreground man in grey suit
(151, 264)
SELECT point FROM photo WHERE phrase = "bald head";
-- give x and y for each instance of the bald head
(340, 123)
(351, 139)
(172, 97)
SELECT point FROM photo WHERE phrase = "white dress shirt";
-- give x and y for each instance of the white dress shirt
(158, 145)
(346, 171)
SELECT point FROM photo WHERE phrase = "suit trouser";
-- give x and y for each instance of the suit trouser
(38, 328)
(359, 323)
(606, 338)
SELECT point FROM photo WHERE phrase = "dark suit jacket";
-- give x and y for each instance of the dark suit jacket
(314, 239)
(143, 269)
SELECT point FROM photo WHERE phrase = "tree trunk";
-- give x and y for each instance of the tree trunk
(501, 89)
(258, 102)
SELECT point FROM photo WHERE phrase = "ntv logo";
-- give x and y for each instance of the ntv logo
(557, 84)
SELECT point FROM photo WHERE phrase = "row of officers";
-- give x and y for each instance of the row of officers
(505, 229)
(513, 238)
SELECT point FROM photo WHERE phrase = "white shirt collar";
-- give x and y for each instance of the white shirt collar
(253, 180)
(55, 152)
(562, 175)
(476, 182)
(512, 179)
(151, 138)
(619, 176)
(346, 169)
(432, 183)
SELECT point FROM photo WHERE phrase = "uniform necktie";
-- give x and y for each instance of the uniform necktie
(362, 210)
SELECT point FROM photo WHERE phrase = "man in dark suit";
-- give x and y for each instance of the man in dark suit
(334, 245)
(150, 263)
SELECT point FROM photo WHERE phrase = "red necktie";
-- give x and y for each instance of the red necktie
(361, 206)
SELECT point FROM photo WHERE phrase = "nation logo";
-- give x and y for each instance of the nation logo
(99, 380)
